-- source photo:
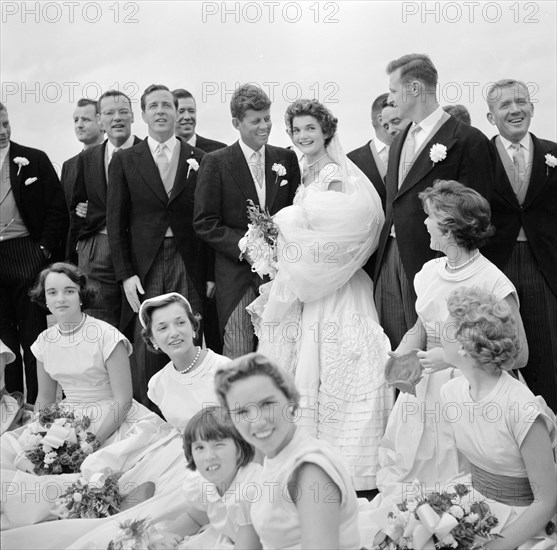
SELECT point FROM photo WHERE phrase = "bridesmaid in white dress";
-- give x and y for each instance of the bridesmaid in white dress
(317, 318)
(186, 384)
(418, 442)
(510, 436)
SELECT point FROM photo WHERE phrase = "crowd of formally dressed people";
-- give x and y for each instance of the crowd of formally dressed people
(429, 239)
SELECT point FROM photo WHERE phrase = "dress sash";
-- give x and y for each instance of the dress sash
(513, 491)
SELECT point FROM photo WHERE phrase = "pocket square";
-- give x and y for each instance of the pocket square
(29, 181)
(283, 182)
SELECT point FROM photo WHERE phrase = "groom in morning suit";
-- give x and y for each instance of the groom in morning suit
(227, 179)
(153, 246)
(33, 224)
(524, 213)
(466, 156)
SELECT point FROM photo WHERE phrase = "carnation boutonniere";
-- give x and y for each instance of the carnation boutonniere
(551, 162)
(193, 165)
(437, 153)
(279, 169)
(21, 161)
(29, 181)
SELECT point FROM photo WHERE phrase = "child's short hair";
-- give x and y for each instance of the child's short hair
(213, 424)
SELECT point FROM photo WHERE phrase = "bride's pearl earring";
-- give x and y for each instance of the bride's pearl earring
(155, 346)
(461, 352)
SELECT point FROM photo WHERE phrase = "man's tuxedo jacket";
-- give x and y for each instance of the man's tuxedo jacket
(470, 161)
(41, 203)
(537, 214)
(363, 159)
(208, 145)
(139, 212)
(90, 185)
(221, 220)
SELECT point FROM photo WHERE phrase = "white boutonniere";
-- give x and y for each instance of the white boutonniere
(551, 162)
(193, 165)
(437, 153)
(280, 170)
(29, 181)
(21, 161)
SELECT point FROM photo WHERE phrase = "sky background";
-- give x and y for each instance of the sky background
(54, 53)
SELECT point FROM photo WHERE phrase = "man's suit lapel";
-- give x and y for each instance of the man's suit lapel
(539, 174)
(423, 164)
(271, 178)
(394, 160)
(181, 179)
(15, 180)
(503, 184)
(148, 170)
(99, 168)
(240, 172)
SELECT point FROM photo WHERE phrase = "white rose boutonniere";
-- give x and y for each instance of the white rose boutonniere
(193, 165)
(551, 162)
(29, 181)
(21, 161)
(279, 169)
(437, 153)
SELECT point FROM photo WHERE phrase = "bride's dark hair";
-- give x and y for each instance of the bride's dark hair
(312, 107)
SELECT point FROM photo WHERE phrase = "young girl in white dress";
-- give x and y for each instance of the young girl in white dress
(506, 433)
(307, 497)
(317, 318)
(186, 384)
(215, 449)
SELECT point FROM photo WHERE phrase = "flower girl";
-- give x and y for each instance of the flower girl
(215, 449)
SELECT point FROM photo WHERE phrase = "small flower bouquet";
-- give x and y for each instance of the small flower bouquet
(99, 497)
(260, 241)
(56, 442)
(142, 534)
(438, 520)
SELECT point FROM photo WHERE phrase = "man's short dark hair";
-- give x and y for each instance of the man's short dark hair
(377, 106)
(153, 88)
(460, 112)
(181, 93)
(112, 93)
(83, 102)
(246, 97)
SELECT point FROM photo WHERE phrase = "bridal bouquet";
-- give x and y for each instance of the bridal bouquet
(142, 534)
(260, 241)
(56, 442)
(438, 520)
(99, 497)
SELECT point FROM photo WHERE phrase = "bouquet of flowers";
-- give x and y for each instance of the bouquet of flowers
(142, 534)
(56, 442)
(260, 241)
(438, 520)
(97, 498)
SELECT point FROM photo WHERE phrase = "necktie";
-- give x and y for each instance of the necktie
(256, 167)
(162, 160)
(409, 151)
(519, 163)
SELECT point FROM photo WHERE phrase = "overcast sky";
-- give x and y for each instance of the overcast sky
(53, 53)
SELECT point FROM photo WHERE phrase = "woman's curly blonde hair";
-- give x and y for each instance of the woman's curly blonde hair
(486, 328)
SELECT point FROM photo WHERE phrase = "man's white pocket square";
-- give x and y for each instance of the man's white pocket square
(29, 181)
(283, 182)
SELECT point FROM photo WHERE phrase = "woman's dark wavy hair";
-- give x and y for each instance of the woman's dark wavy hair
(213, 424)
(88, 291)
(312, 107)
(462, 210)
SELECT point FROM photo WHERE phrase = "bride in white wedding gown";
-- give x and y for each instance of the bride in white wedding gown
(317, 318)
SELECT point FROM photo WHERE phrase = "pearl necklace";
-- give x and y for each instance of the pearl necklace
(469, 261)
(313, 163)
(191, 365)
(72, 330)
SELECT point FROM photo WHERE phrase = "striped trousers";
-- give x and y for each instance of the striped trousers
(538, 309)
(395, 297)
(21, 321)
